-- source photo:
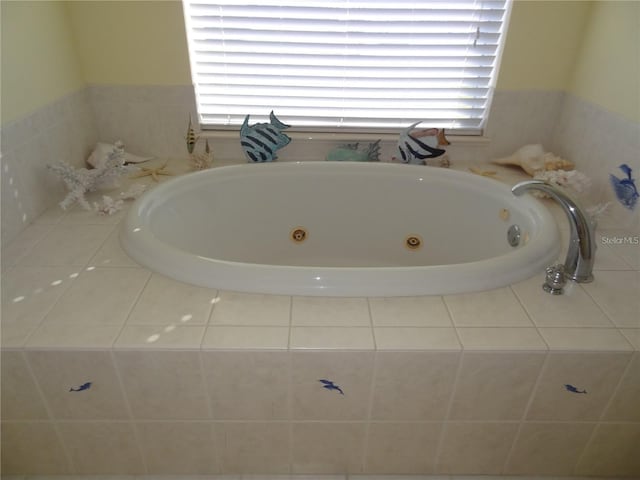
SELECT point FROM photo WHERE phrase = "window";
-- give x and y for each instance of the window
(344, 65)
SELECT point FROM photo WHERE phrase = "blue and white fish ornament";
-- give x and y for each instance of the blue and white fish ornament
(353, 152)
(625, 189)
(417, 146)
(261, 141)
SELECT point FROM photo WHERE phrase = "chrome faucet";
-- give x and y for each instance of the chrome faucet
(582, 245)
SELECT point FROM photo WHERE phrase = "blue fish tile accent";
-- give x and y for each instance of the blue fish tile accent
(572, 389)
(261, 141)
(84, 386)
(625, 189)
(329, 385)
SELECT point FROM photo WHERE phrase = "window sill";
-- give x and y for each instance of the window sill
(327, 137)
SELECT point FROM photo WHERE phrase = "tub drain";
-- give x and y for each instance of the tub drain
(413, 242)
(298, 234)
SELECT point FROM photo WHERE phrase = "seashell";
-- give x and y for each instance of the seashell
(100, 155)
(533, 159)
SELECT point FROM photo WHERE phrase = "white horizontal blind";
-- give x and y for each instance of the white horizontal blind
(345, 64)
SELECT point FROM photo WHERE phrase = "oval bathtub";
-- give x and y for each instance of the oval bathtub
(339, 229)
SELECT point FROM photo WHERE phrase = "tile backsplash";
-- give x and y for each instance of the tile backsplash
(598, 141)
(63, 130)
(152, 121)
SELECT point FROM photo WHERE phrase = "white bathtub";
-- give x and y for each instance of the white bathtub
(231, 228)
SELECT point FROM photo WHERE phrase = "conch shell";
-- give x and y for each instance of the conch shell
(533, 159)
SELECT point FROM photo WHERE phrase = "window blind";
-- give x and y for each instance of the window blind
(345, 64)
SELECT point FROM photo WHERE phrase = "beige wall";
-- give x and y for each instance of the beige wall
(51, 48)
(543, 41)
(607, 69)
(39, 63)
(150, 47)
(131, 42)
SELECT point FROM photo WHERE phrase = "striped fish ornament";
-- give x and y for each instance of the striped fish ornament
(261, 141)
(416, 150)
(191, 138)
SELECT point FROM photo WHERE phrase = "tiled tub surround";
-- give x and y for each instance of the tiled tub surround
(152, 120)
(577, 135)
(187, 380)
(62, 130)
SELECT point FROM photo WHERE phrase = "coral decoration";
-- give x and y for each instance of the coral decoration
(202, 161)
(80, 181)
(199, 161)
(109, 206)
(573, 180)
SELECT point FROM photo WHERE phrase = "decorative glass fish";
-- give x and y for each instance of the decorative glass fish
(416, 149)
(625, 189)
(351, 152)
(261, 141)
(191, 137)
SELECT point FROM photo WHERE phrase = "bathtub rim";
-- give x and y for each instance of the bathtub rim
(542, 249)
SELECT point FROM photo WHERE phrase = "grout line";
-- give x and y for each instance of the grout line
(48, 310)
(217, 452)
(617, 387)
(453, 323)
(525, 411)
(290, 423)
(447, 415)
(587, 445)
(290, 333)
(133, 306)
(52, 419)
(131, 419)
(368, 420)
(529, 316)
(602, 310)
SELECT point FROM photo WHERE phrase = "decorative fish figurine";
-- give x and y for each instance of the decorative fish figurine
(351, 152)
(261, 141)
(625, 189)
(191, 138)
(573, 389)
(416, 147)
(329, 385)
(84, 386)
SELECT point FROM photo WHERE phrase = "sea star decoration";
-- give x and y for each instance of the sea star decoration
(153, 172)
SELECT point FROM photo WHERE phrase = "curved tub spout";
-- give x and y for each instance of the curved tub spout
(582, 246)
